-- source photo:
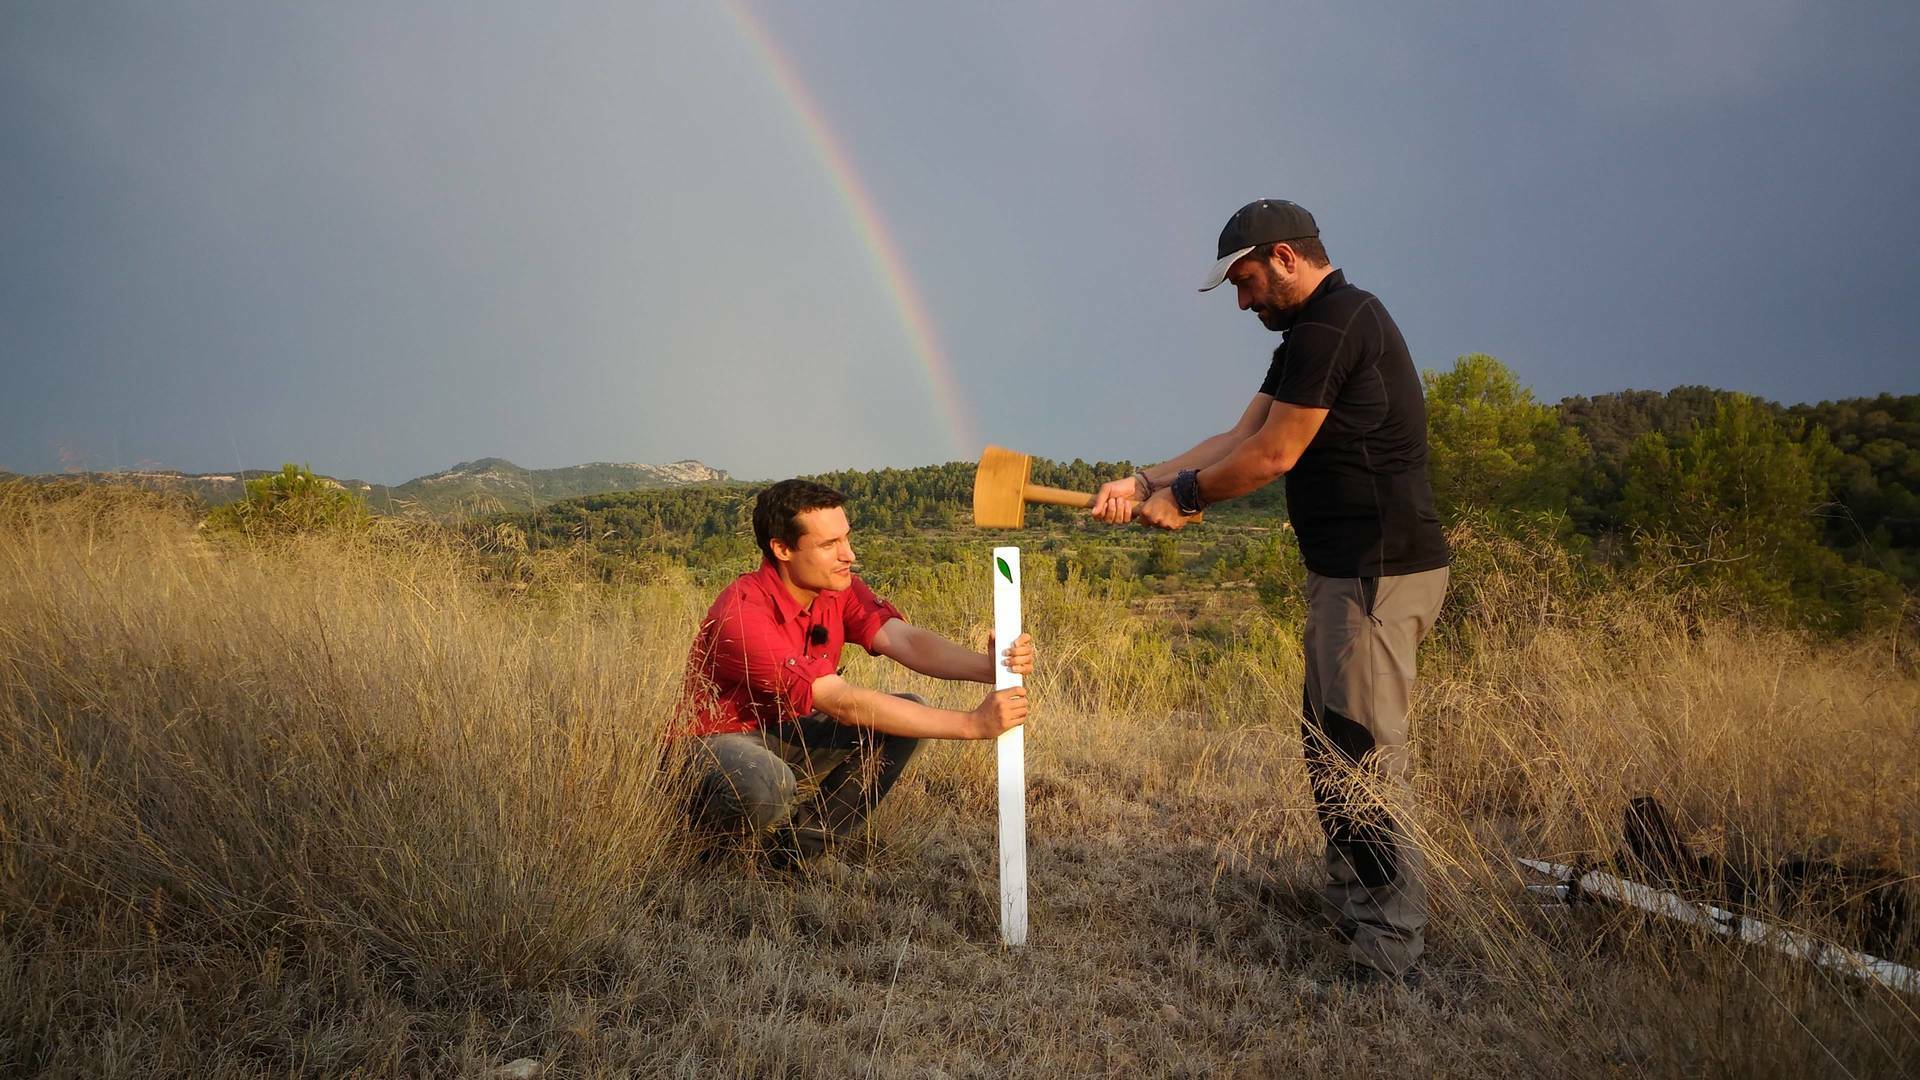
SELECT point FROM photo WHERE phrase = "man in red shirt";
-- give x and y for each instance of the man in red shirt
(768, 711)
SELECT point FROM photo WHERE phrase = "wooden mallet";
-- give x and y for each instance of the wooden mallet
(1002, 488)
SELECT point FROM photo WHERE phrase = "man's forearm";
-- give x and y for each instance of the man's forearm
(930, 654)
(1269, 454)
(1207, 452)
(860, 707)
(1246, 469)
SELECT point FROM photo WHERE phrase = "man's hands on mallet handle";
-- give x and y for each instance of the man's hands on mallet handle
(1122, 501)
(1115, 502)
(1161, 512)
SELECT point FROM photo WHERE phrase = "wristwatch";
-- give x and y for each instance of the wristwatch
(1186, 492)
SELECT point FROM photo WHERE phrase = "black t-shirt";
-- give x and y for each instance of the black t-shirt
(1359, 496)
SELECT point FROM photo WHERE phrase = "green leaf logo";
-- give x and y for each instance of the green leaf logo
(1005, 570)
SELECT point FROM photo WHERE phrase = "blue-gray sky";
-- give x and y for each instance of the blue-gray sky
(383, 238)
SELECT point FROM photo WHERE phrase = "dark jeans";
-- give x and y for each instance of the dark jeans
(802, 785)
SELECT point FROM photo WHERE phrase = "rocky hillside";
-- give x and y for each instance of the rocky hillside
(212, 489)
(493, 484)
(489, 485)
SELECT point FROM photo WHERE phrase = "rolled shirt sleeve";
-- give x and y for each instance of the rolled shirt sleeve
(864, 615)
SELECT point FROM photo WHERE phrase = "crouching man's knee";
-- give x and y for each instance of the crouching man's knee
(742, 785)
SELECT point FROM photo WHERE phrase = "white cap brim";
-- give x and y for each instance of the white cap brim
(1219, 272)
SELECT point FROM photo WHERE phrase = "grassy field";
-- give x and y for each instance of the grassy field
(380, 805)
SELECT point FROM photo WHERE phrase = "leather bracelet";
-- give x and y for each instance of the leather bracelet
(1141, 478)
(1186, 492)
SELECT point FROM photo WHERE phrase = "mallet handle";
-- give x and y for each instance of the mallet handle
(1052, 496)
(1040, 493)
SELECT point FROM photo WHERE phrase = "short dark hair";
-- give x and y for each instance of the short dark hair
(777, 510)
(1309, 248)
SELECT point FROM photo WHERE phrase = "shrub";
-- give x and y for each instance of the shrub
(292, 500)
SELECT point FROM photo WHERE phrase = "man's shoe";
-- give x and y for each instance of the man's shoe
(1357, 976)
(823, 868)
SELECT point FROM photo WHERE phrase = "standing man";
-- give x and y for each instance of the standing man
(785, 749)
(1340, 415)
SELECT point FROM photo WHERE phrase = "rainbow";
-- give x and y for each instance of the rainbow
(873, 231)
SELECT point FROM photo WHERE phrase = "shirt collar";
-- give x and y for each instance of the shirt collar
(769, 578)
(1332, 281)
(785, 607)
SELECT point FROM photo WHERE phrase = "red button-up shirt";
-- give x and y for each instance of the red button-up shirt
(758, 651)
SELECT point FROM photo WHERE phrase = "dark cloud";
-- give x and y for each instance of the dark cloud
(382, 240)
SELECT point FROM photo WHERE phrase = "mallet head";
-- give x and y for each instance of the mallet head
(999, 488)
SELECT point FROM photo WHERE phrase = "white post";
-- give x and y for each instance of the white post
(1013, 755)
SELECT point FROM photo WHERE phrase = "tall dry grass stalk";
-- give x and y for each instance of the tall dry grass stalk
(1764, 745)
(326, 738)
(348, 805)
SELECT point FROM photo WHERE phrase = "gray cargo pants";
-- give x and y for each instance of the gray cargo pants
(799, 786)
(1360, 641)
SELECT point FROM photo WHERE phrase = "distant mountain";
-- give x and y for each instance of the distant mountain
(494, 484)
(489, 485)
(212, 489)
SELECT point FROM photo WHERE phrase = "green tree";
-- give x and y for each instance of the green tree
(1163, 557)
(1741, 481)
(1877, 482)
(1739, 500)
(1492, 446)
(291, 500)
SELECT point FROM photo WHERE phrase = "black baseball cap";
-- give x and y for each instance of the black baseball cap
(1263, 221)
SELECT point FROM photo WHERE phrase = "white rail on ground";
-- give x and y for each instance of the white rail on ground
(1721, 921)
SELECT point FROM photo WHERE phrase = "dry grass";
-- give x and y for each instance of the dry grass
(341, 807)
